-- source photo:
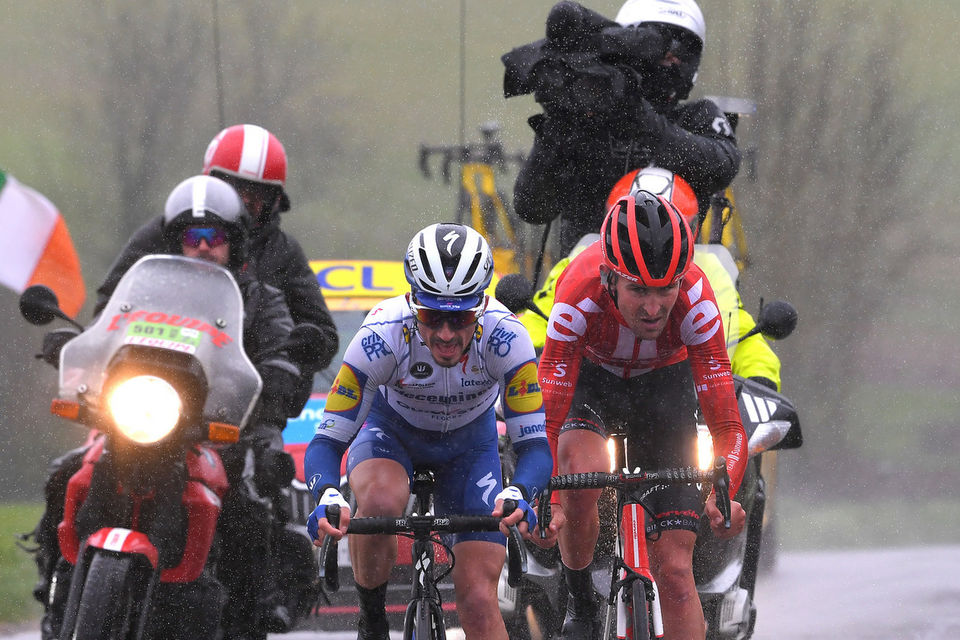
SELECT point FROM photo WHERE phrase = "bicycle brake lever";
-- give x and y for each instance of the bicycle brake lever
(329, 566)
(516, 557)
(516, 550)
(721, 487)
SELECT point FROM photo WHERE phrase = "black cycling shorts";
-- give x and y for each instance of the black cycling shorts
(658, 413)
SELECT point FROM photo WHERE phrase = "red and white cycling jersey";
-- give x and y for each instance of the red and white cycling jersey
(585, 322)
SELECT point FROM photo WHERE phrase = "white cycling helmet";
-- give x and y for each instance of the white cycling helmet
(680, 13)
(207, 201)
(448, 266)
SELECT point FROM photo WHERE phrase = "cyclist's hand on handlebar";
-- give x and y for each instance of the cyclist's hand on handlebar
(524, 516)
(317, 525)
(557, 520)
(738, 518)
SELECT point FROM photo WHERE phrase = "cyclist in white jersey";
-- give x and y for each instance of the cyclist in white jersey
(417, 387)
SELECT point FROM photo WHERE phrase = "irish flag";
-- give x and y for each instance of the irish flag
(35, 247)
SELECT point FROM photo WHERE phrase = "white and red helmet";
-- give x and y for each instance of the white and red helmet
(659, 182)
(252, 153)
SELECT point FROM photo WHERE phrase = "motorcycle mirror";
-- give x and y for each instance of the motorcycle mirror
(39, 305)
(777, 319)
(516, 294)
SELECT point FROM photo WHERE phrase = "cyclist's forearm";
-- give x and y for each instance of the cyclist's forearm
(534, 466)
(321, 464)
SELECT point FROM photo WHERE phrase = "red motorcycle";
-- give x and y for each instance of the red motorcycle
(161, 379)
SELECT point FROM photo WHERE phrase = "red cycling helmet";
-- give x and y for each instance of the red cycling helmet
(660, 182)
(252, 153)
(645, 239)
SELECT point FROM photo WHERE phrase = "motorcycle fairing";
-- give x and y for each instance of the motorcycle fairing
(124, 541)
(759, 404)
(174, 303)
(203, 491)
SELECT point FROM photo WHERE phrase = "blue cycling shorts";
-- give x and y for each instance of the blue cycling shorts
(465, 461)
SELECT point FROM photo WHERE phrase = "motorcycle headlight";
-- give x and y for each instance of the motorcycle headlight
(145, 408)
(704, 448)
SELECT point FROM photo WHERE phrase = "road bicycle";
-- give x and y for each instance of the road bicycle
(424, 616)
(633, 599)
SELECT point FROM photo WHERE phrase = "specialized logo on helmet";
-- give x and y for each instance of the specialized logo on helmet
(703, 320)
(346, 393)
(522, 394)
(450, 238)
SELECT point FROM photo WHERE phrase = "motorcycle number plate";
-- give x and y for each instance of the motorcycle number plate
(165, 336)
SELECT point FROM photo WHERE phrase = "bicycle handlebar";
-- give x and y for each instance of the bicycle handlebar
(678, 475)
(422, 527)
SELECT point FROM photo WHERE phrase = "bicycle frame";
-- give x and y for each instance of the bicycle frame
(425, 610)
(638, 612)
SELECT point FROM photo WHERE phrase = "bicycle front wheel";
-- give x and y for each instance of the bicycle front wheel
(639, 614)
(424, 621)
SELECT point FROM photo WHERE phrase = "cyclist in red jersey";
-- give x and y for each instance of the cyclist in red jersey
(634, 341)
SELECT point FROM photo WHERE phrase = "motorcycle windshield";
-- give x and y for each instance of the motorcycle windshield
(173, 303)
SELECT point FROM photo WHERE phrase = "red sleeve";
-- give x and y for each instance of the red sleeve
(702, 332)
(558, 372)
(560, 361)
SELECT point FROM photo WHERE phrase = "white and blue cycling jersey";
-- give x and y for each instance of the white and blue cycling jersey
(428, 405)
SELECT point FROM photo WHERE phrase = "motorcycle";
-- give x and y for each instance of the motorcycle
(161, 380)
(725, 570)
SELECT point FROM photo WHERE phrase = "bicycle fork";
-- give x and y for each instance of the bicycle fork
(424, 617)
(637, 598)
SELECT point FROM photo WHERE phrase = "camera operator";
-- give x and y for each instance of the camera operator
(611, 92)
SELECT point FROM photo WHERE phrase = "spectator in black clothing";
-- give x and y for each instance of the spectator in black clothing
(591, 132)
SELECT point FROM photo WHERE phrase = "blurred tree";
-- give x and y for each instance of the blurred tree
(835, 134)
(144, 87)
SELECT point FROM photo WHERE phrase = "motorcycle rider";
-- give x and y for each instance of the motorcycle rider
(254, 162)
(203, 218)
(633, 332)
(585, 141)
(752, 358)
(417, 387)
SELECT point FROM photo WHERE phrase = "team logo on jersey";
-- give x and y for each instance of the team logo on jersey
(406, 334)
(421, 370)
(346, 392)
(499, 342)
(702, 320)
(523, 391)
(567, 323)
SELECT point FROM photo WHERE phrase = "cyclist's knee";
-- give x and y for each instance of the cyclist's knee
(373, 502)
(477, 603)
(675, 581)
(380, 489)
(582, 450)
